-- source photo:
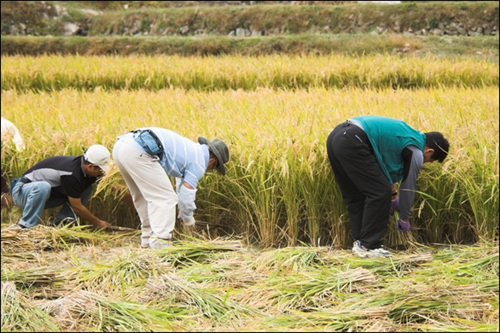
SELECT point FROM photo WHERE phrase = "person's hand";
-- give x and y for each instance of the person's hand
(189, 223)
(101, 225)
(394, 205)
(403, 226)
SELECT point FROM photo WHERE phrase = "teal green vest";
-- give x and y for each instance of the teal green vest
(389, 137)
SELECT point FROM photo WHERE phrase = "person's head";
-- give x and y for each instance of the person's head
(219, 154)
(436, 147)
(96, 160)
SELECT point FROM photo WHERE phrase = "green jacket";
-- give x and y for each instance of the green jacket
(388, 138)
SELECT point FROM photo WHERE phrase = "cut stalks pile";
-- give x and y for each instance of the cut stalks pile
(78, 280)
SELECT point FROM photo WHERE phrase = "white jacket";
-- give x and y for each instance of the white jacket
(9, 130)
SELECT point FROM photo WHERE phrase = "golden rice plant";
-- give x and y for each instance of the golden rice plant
(280, 189)
(209, 73)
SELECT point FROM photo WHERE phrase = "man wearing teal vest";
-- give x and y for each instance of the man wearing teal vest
(368, 155)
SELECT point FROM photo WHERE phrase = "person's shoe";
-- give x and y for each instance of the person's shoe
(363, 252)
(359, 250)
(379, 253)
(158, 243)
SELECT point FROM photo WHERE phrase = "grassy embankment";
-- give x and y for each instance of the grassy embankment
(319, 29)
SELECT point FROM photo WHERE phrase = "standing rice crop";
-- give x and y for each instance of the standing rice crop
(280, 189)
(52, 73)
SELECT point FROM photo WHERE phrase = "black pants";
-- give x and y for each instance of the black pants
(364, 186)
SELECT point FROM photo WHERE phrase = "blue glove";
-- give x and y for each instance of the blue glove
(403, 226)
(394, 205)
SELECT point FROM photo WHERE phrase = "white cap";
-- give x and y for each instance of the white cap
(98, 155)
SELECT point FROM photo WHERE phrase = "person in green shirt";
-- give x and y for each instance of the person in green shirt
(368, 155)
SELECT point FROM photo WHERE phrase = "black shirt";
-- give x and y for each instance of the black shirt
(64, 174)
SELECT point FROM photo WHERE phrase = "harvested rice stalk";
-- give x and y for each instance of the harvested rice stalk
(43, 238)
(20, 314)
(90, 310)
(211, 306)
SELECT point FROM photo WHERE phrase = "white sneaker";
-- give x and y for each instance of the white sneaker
(145, 243)
(359, 250)
(158, 243)
(363, 252)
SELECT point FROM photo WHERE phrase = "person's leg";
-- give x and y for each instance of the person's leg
(151, 191)
(66, 214)
(355, 154)
(121, 152)
(31, 197)
(353, 198)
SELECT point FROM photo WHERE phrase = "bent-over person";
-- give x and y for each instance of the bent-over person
(146, 158)
(368, 155)
(61, 180)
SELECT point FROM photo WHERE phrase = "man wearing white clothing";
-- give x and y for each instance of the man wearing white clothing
(146, 157)
(9, 131)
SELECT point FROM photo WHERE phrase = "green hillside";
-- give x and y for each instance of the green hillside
(251, 28)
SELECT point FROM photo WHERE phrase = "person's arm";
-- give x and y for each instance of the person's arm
(186, 195)
(84, 213)
(414, 160)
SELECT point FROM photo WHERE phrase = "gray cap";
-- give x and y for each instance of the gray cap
(219, 149)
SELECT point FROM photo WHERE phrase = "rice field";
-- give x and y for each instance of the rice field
(275, 252)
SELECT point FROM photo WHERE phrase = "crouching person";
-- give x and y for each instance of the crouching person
(61, 180)
(146, 158)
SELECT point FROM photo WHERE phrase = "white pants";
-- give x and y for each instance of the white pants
(152, 192)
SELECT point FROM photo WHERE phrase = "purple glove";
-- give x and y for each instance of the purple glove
(403, 226)
(394, 205)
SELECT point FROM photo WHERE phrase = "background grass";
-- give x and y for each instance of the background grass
(481, 47)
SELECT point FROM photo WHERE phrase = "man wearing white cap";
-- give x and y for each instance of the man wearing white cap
(61, 180)
(146, 158)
